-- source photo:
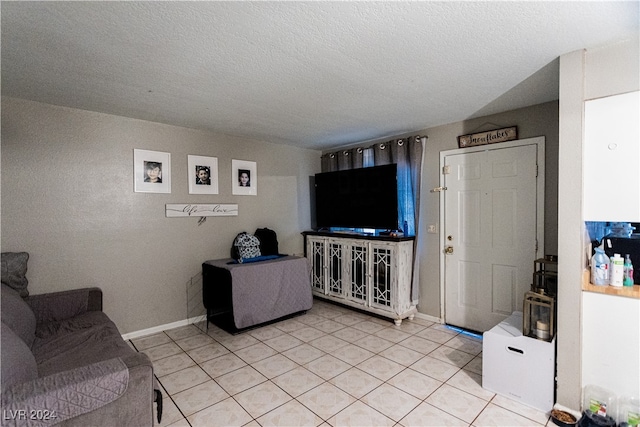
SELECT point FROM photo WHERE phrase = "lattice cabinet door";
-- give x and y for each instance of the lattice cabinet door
(358, 272)
(335, 273)
(382, 276)
(316, 251)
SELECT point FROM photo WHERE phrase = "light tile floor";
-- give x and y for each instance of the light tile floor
(331, 366)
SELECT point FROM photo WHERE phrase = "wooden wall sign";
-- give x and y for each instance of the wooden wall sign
(490, 137)
(182, 210)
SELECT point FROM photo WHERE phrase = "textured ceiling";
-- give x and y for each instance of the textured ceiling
(311, 74)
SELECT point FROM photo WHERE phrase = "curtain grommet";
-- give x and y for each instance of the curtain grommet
(383, 146)
(401, 142)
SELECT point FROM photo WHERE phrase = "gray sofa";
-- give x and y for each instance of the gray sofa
(64, 362)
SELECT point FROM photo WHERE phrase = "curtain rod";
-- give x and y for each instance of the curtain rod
(372, 145)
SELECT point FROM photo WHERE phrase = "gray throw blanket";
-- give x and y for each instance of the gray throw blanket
(267, 290)
(52, 399)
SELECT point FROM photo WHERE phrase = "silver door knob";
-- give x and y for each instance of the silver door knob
(448, 250)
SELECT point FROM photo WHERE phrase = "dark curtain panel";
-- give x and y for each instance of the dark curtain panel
(382, 154)
(407, 154)
(357, 157)
(329, 162)
(343, 160)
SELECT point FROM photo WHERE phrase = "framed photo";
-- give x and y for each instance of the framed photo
(244, 177)
(151, 171)
(203, 174)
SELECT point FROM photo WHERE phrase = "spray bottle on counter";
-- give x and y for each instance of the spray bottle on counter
(616, 270)
(628, 271)
(600, 267)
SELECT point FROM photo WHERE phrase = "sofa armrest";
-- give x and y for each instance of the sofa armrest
(55, 398)
(134, 407)
(62, 305)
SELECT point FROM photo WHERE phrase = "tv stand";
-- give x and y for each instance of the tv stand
(371, 273)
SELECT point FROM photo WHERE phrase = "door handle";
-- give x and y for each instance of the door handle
(448, 249)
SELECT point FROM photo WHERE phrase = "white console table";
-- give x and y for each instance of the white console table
(366, 272)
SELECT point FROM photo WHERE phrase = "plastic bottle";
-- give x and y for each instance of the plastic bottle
(600, 268)
(628, 271)
(616, 270)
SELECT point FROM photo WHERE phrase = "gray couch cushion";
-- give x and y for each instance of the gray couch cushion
(87, 338)
(18, 364)
(14, 270)
(17, 315)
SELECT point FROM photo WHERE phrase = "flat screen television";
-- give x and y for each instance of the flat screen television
(358, 198)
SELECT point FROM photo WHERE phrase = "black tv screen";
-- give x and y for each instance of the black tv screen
(358, 198)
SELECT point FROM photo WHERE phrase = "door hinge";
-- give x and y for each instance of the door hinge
(446, 170)
(536, 170)
(536, 245)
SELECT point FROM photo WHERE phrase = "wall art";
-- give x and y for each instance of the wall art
(175, 210)
(152, 171)
(489, 137)
(203, 174)
(244, 177)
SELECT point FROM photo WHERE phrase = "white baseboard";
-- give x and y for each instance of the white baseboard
(161, 328)
(429, 318)
(185, 322)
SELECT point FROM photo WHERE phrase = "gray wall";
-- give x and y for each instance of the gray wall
(68, 200)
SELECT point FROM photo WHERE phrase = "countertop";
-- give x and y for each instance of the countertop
(624, 291)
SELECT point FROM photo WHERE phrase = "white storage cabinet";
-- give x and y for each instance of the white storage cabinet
(372, 274)
(519, 367)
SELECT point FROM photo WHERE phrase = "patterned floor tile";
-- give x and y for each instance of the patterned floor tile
(293, 414)
(222, 365)
(457, 402)
(199, 397)
(391, 401)
(275, 365)
(415, 383)
(495, 415)
(303, 354)
(241, 379)
(329, 367)
(262, 398)
(227, 413)
(357, 415)
(426, 415)
(326, 400)
(356, 382)
(381, 367)
(184, 379)
(297, 381)
(255, 353)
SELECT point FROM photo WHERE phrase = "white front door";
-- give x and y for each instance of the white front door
(490, 233)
